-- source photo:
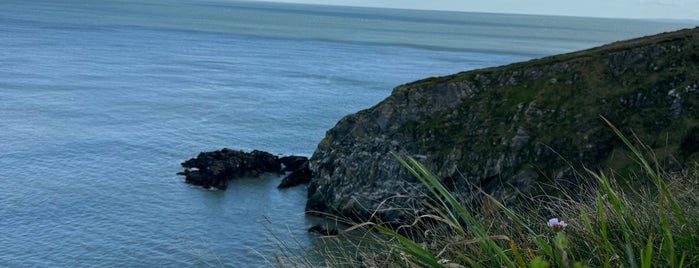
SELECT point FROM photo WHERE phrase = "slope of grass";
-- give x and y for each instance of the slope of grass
(648, 218)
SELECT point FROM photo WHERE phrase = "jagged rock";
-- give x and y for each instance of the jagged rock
(300, 174)
(217, 168)
(507, 128)
(292, 163)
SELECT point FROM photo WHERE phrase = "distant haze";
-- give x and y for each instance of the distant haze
(639, 9)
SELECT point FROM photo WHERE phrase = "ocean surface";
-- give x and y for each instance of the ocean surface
(100, 102)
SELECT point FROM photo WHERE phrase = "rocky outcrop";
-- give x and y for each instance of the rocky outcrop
(300, 171)
(510, 127)
(217, 168)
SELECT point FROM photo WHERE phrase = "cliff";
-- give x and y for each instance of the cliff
(506, 128)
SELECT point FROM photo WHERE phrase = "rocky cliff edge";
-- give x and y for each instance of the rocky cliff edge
(506, 128)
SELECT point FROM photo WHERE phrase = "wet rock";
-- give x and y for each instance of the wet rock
(215, 169)
(292, 163)
(300, 173)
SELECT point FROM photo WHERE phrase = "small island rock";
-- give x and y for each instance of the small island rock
(215, 169)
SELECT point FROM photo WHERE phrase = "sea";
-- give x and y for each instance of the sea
(100, 102)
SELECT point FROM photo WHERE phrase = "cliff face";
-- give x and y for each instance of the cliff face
(511, 126)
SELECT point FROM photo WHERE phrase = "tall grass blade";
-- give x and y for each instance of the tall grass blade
(411, 248)
(454, 208)
(603, 232)
(647, 254)
(422, 177)
(668, 241)
(650, 171)
(518, 256)
(622, 214)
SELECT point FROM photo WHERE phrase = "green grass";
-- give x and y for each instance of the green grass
(647, 218)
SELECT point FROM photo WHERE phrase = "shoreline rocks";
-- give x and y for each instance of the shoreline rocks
(300, 174)
(217, 168)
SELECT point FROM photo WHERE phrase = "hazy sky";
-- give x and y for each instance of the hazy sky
(664, 9)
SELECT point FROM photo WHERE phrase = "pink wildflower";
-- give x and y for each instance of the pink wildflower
(556, 225)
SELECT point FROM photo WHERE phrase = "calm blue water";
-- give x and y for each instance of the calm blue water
(101, 100)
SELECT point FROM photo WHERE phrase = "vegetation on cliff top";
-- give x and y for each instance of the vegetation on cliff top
(500, 152)
(509, 129)
(642, 220)
(565, 94)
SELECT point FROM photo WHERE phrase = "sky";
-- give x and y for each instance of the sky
(638, 9)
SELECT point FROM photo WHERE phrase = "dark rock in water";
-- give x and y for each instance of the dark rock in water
(322, 230)
(217, 168)
(293, 162)
(508, 128)
(300, 173)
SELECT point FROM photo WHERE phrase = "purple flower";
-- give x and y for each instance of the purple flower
(556, 225)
